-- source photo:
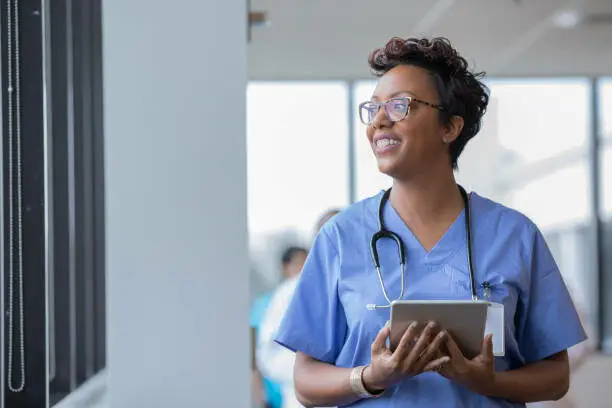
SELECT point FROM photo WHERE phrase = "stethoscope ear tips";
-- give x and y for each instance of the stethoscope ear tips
(371, 306)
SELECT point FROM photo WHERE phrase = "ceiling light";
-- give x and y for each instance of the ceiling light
(567, 18)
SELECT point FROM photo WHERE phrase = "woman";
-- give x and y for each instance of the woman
(426, 106)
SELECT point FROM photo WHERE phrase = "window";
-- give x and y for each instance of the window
(605, 112)
(546, 199)
(59, 244)
(297, 141)
(605, 116)
(538, 131)
(541, 129)
(606, 183)
(369, 180)
(297, 148)
(539, 119)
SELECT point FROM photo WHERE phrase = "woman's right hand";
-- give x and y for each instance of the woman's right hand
(415, 353)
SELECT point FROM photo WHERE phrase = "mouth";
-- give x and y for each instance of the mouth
(385, 143)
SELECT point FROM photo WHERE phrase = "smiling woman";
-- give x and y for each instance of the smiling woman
(427, 104)
(457, 96)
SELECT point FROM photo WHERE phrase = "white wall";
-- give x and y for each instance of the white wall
(175, 81)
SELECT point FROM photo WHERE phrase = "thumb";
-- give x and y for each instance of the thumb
(487, 346)
(380, 342)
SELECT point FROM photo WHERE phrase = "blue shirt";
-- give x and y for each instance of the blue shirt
(328, 320)
(273, 392)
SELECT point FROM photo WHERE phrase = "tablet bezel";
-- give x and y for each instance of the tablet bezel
(465, 320)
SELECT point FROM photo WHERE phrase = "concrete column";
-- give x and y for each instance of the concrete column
(175, 75)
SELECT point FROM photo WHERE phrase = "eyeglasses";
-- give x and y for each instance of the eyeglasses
(396, 109)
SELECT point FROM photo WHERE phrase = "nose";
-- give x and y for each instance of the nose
(381, 119)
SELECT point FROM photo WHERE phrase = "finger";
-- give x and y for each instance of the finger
(432, 351)
(437, 364)
(380, 342)
(487, 346)
(420, 346)
(453, 350)
(404, 345)
(446, 371)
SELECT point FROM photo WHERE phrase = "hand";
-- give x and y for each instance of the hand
(413, 355)
(477, 374)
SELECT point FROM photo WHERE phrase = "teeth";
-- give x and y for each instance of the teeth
(386, 142)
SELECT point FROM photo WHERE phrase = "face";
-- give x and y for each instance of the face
(409, 146)
(294, 268)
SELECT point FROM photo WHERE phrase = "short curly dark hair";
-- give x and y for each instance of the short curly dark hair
(461, 91)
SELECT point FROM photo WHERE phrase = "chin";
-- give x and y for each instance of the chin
(389, 169)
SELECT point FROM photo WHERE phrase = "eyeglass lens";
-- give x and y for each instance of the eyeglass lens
(395, 109)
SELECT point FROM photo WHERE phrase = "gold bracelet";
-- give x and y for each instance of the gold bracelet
(356, 380)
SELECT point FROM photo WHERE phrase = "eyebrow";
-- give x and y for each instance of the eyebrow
(395, 94)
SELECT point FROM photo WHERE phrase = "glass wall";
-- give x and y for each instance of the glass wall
(605, 113)
(368, 180)
(606, 181)
(540, 119)
(605, 127)
(297, 140)
(541, 130)
(531, 154)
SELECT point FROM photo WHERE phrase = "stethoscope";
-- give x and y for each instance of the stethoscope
(383, 232)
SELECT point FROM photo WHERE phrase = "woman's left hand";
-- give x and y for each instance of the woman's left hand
(477, 374)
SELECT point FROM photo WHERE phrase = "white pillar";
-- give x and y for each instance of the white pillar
(175, 80)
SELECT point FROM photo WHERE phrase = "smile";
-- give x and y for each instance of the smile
(382, 143)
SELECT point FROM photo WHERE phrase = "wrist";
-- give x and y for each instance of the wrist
(495, 388)
(488, 386)
(370, 383)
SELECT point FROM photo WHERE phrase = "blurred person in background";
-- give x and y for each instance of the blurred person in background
(266, 393)
(425, 108)
(274, 362)
(274, 359)
(326, 216)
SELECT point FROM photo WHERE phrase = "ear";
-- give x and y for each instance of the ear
(453, 129)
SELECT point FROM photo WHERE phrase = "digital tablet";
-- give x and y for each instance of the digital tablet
(465, 320)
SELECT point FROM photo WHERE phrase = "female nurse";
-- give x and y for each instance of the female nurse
(426, 106)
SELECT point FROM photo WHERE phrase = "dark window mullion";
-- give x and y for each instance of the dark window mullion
(71, 114)
(98, 186)
(87, 188)
(62, 382)
(79, 181)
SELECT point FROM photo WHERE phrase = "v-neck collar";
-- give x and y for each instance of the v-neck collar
(453, 239)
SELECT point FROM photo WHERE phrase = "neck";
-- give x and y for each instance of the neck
(426, 199)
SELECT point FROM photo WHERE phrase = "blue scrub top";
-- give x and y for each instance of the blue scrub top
(328, 320)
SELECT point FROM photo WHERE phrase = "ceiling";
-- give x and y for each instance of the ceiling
(331, 39)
